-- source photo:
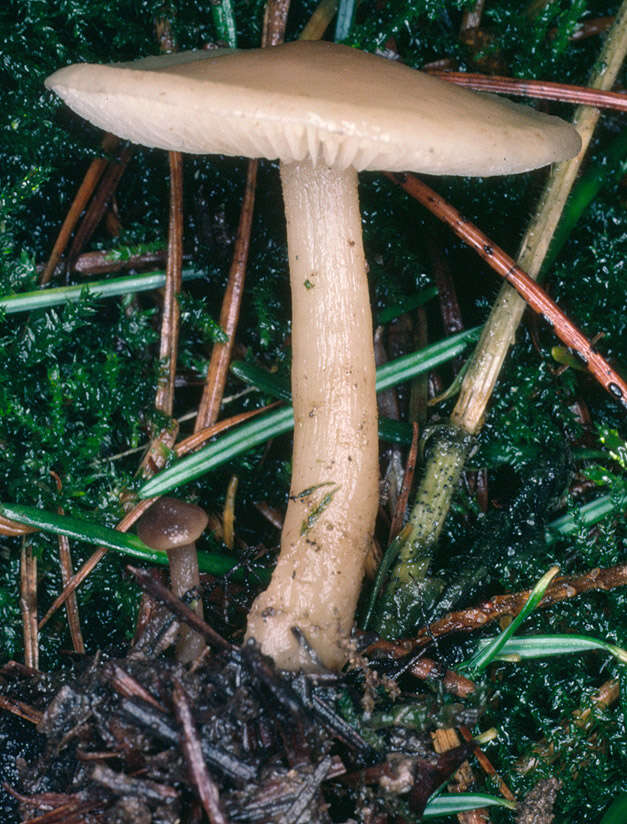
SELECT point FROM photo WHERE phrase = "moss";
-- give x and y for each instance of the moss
(77, 385)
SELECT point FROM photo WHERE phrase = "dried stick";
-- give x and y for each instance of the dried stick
(532, 294)
(65, 562)
(499, 331)
(199, 775)
(539, 89)
(451, 450)
(164, 400)
(473, 618)
(106, 188)
(28, 604)
(209, 407)
(319, 21)
(81, 198)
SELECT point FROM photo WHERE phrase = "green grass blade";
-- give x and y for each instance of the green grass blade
(233, 443)
(224, 22)
(617, 811)
(453, 803)
(587, 515)
(526, 647)
(45, 298)
(410, 303)
(91, 533)
(344, 19)
(268, 426)
(486, 654)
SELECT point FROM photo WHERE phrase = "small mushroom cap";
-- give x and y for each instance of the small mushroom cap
(170, 523)
(313, 100)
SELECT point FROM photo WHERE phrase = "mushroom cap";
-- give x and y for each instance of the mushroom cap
(320, 101)
(170, 523)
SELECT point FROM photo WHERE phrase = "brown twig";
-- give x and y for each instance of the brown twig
(426, 669)
(486, 765)
(209, 407)
(540, 89)
(473, 618)
(21, 709)
(28, 604)
(199, 775)
(533, 294)
(320, 20)
(274, 22)
(164, 400)
(81, 198)
(65, 562)
(463, 779)
(178, 607)
(107, 185)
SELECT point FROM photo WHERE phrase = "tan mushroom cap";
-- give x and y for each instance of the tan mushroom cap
(313, 100)
(170, 523)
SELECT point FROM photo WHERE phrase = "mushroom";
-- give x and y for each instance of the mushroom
(174, 526)
(326, 111)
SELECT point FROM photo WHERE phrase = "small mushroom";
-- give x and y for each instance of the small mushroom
(174, 526)
(326, 111)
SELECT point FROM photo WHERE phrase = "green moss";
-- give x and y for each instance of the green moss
(77, 385)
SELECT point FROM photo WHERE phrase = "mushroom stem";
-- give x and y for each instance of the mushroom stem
(184, 575)
(334, 492)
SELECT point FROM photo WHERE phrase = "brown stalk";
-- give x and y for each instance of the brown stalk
(71, 605)
(320, 20)
(206, 788)
(473, 618)
(164, 400)
(106, 188)
(185, 446)
(486, 765)
(463, 778)
(539, 89)
(28, 604)
(81, 198)
(471, 19)
(21, 709)
(213, 391)
(529, 290)
(209, 408)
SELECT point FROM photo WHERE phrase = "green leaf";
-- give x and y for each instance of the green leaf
(274, 423)
(617, 812)
(97, 289)
(540, 646)
(91, 533)
(587, 515)
(488, 653)
(453, 803)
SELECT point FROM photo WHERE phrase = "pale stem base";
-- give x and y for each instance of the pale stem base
(329, 522)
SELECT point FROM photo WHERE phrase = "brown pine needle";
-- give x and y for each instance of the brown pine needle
(473, 618)
(81, 198)
(95, 211)
(188, 445)
(529, 290)
(539, 89)
(28, 604)
(213, 392)
(168, 349)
